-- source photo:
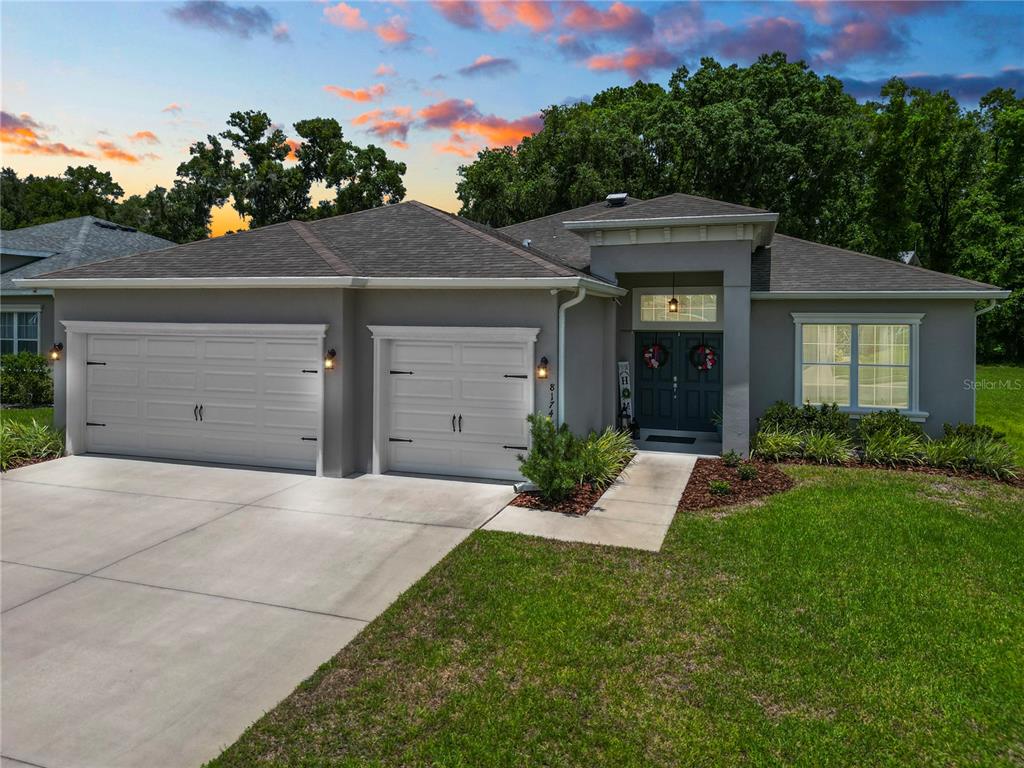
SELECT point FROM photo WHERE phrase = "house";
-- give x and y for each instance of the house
(406, 339)
(26, 315)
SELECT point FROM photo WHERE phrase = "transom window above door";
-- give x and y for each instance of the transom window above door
(19, 331)
(693, 307)
(860, 362)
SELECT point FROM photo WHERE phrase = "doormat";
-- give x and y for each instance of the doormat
(671, 439)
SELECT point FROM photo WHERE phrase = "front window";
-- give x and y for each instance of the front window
(693, 308)
(861, 364)
(19, 331)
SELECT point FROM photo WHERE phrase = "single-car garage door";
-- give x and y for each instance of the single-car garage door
(455, 407)
(229, 393)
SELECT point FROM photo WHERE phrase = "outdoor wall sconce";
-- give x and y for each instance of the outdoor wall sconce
(329, 360)
(542, 368)
(55, 351)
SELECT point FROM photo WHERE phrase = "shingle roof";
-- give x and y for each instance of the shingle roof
(72, 242)
(405, 240)
(790, 264)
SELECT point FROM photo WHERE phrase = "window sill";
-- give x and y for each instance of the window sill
(856, 413)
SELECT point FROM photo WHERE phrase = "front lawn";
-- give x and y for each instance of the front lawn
(26, 415)
(1000, 402)
(862, 618)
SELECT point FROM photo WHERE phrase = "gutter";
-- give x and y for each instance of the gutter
(560, 381)
(982, 294)
(596, 287)
(984, 310)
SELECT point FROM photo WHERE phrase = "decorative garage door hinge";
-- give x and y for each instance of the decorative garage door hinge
(93, 362)
(399, 440)
(402, 373)
(94, 424)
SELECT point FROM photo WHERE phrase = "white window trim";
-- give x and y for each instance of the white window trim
(800, 319)
(26, 309)
(689, 325)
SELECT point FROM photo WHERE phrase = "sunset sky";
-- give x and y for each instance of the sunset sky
(128, 86)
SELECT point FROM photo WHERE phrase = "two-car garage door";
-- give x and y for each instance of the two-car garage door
(251, 398)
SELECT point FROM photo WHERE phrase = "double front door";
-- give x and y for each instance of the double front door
(675, 388)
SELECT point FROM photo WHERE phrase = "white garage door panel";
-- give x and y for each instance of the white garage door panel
(260, 398)
(430, 383)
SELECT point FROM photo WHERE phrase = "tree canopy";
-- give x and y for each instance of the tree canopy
(913, 171)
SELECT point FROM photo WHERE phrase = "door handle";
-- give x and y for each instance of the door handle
(453, 422)
(195, 412)
(460, 422)
(200, 413)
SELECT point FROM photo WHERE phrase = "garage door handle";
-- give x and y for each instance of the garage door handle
(460, 422)
(399, 440)
(515, 447)
(310, 370)
(94, 424)
(91, 362)
(308, 439)
(200, 413)
(195, 412)
(453, 422)
(403, 373)
(516, 376)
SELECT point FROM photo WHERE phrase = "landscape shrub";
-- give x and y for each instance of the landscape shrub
(893, 449)
(777, 445)
(719, 487)
(554, 463)
(826, 447)
(995, 458)
(25, 379)
(731, 459)
(747, 471)
(27, 441)
(786, 417)
(888, 421)
(951, 452)
(971, 449)
(973, 432)
(604, 455)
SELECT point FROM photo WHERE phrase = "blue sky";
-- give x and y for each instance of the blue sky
(128, 86)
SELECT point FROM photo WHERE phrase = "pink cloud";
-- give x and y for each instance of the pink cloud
(174, 108)
(619, 19)
(634, 61)
(462, 116)
(764, 35)
(399, 144)
(499, 14)
(372, 93)
(391, 124)
(489, 65)
(459, 12)
(457, 145)
(147, 136)
(385, 70)
(111, 151)
(22, 135)
(393, 31)
(293, 148)
(346, 16)
(860, 38)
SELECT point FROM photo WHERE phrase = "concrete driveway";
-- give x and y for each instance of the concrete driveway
(152, 611)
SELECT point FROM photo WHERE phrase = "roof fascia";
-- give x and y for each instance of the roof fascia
(913, 294)
(673, 221)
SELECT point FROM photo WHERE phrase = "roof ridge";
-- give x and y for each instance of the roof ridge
(536, 258)
(889, 261)
(332, 259)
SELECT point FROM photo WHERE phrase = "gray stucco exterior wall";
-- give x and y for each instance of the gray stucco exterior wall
(946, 355)
(589, 349)
(45, 304)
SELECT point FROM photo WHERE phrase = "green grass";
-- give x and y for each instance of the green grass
(863, 618)
(25, 415)
(1000, 402)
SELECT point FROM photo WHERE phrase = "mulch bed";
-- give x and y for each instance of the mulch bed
(16, 463)
(770, 480)
(579, 503)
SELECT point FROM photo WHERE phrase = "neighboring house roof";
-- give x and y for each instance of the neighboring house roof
(71, 242)
(789, 265)
(405, 240)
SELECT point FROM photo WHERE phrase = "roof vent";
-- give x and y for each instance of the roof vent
(617, 199)
(527, 242)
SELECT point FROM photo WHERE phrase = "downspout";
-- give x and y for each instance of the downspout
(560, 381)
(974, 388)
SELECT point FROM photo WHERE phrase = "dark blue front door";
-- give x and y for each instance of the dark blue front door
(677, 394)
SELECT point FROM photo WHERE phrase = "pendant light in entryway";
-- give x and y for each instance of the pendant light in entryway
(673, 303)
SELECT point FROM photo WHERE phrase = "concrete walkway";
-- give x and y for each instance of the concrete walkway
(152, 610)
(635, 511)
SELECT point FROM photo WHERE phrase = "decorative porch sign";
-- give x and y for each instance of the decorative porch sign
(625, 394)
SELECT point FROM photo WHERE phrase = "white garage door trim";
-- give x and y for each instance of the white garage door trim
(77, 345)
(384, 335)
